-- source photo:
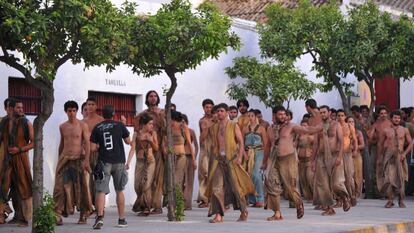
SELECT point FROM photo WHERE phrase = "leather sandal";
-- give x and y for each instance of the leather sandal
(243, 216)
(144, 213)
(300, 211)
(275, 217)
(215, 220)
(83, 219)
(346, 205)
(338, 204)
(203, 205)
(328, 212)
(389, 204)
(156, 211)
(401, 204)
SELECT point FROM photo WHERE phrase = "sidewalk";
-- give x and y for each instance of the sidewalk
(367, 215)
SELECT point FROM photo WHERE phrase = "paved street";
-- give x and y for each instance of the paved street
(367, 213)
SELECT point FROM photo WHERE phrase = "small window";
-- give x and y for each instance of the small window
(124, 104)
(20, 89)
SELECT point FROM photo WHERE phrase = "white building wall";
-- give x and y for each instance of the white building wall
(207, 81)
(407, 93)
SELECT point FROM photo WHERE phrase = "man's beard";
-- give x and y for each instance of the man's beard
(396, 124)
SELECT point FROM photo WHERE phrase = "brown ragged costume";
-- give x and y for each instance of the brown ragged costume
(144, 176)
(228, 183)
(204, 167)
(17, 170)
(188, 181)
(71, 187)
(358, 175)
(395, 174)
(306, 176)
(349, 172)
(325, 162)
(272, 183)
(157, 186)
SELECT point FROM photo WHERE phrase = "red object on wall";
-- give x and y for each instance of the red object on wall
(20, 89)
(387, 92)
(124, 104)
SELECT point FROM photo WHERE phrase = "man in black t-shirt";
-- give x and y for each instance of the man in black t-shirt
(110, 136)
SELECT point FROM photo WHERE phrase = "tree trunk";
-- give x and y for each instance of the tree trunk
(342, 94)
(369, 169)
(372, 93)
(170, 154)
(46, 110)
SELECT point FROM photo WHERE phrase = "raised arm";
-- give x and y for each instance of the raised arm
(307, 129)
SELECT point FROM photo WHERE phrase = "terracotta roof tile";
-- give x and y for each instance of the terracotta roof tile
(401, 5)
(253, 10)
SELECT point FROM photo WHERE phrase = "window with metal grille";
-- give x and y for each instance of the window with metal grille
(20, 89)
(124, 104)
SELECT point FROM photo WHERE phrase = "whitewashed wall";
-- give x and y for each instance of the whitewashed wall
(207, 81)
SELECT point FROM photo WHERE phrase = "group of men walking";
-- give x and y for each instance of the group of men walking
(243, 160)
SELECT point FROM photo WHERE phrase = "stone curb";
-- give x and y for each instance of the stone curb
(403, 227)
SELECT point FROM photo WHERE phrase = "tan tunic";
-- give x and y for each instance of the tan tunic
(144, 176)
(227, 182)
(17, 171)
(158, 181)
(71, 187)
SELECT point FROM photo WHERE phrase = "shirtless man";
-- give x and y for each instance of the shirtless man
(395, 170)
(233, 112)
(306, 175)
(17, 139)
(228, 183)
(205, 123)
(327, 162)
(243, 119)
(74, 140)
(350, 141)
(377, 131)
(91, 120)
(283, 167)
(152, 100)
(312, 109)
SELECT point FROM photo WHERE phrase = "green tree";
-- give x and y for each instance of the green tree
(48, 34)
(379, 45)
(289, 34)
(272, 84)
(175, 39)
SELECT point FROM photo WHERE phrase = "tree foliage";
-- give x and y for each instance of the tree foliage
(178, 38)
(272, 84)
(379, 45)
(367, 43)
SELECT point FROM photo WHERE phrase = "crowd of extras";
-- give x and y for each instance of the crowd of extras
(242, 159)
